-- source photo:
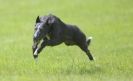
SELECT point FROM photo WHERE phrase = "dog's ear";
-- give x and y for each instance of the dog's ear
(37, 19)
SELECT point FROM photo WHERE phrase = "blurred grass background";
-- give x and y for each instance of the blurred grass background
(109, 22)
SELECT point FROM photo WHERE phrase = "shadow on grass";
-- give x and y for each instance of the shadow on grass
(90, 70)
(83, 69)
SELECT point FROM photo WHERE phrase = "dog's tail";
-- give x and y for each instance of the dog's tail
(89, 40)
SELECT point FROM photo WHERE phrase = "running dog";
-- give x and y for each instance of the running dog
(51, 31)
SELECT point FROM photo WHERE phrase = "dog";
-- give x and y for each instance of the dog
(51, 31)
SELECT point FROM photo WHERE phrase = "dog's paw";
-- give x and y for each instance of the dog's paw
(36, 52)
(91, 58)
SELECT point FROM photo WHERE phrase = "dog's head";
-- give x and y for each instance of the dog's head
(42, 27)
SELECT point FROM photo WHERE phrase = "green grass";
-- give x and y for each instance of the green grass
(110, 22)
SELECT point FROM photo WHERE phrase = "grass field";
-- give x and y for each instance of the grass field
(109, 22)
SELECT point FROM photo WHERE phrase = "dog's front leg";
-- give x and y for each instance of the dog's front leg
(39, 49)
(34, 47)
(43, 45)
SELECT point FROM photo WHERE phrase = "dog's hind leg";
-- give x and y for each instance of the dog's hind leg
(84, 47)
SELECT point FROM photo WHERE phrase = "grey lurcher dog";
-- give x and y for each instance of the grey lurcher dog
(52, 31)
